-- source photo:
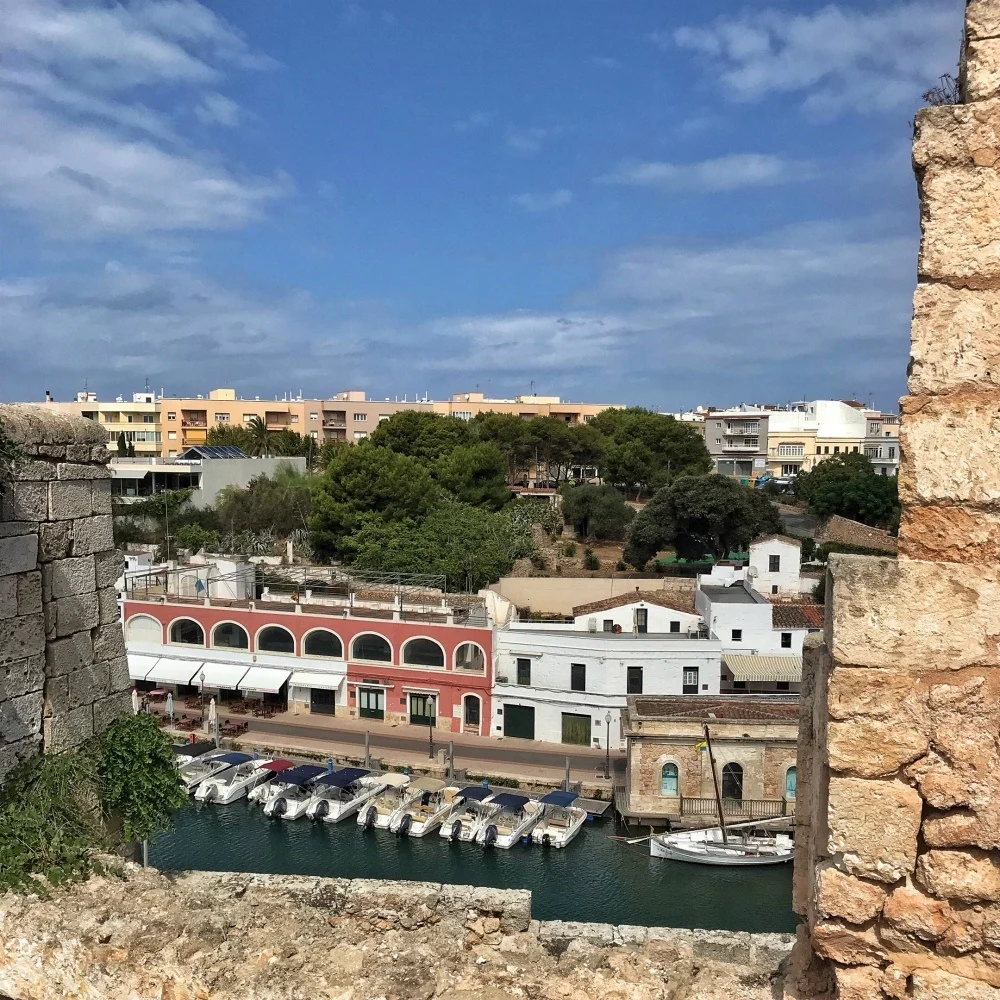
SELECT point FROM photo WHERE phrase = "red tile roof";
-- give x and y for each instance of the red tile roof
(674, 602)
(752, 710)
(792, 616)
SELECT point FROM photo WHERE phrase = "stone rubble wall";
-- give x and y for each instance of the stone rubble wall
(843, 529)
(63, 671)
(897, 867)
(251, 937)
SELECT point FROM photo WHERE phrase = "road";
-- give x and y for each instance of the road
(796, 520)
(581, 758)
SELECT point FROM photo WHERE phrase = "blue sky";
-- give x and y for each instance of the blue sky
(654, 203)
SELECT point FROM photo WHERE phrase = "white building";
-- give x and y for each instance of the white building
(559, 683)
(774, 568)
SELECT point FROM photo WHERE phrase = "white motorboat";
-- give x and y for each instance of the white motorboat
(390, 796)
(561, 820)
(209, 765)
(744, 844)
(187, 752)
(429, 802)
(467, 811)
(289, 794)
(342, 793)
(233, 783)
(509, 818)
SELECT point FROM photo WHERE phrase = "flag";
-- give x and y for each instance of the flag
(701, 746)
(199, 586)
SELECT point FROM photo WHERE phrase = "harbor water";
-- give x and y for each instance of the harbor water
(595, 878)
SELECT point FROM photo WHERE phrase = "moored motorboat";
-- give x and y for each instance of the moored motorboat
(462, 821)
(208, 765)
(428, 803)
(339, 794)
(390, 796)
(233, 783)
(740, 846)
(187, 752)
(289, 794)
(560, 820)
(507, 819)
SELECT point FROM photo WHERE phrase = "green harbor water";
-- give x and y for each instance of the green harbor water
(594, 879)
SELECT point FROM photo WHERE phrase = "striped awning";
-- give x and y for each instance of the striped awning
(764, 668)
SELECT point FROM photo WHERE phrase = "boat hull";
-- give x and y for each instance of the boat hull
(701, 853)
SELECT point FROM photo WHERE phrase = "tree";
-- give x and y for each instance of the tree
(471, 547)
(233, 435)
(475, 474)
(279, 505)
(849, 486)
(122, 445)
(700, 516)
(259, 440)
(509, 433)
(672, 449)
(195, 537)
(366, 481)
(289, 443)
(421, 435)
(598, 512)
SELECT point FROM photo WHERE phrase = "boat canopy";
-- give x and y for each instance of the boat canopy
(233, 757)
(559, 799)
(193, 749)
(391, 778)
(278, 764)
(170, 671)
(343, 777)
(428, 785)
(507, 800)
(264, 680)
(475, 793)
(301, 774)
(222, 675)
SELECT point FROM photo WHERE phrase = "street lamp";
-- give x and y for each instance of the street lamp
(607, 746)
(430, 733)
(202, 679)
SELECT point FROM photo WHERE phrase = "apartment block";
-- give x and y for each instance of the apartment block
(737, 441)
(138, 419)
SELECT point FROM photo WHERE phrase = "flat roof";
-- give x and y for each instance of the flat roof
(729, 595)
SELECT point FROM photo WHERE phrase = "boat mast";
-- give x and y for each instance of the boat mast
(715, 781)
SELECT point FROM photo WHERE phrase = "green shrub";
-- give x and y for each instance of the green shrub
(569, 549)
(590, 561)
(621, 566)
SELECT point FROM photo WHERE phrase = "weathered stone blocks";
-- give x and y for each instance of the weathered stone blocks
(21, 637)
(843, 896)
(71, 614)
(69, 577)
(68, 729)
(971, 876)
(93, 534)
(18, 554)
(954, 534)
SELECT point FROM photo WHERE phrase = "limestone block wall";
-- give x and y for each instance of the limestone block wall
(63, 672)
(897, 867)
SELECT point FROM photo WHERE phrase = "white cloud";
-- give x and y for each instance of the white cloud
(473, 121)
(80, 156)
(724, 173)
(840, 58)
(215, 109)
(542, 202)
(526, 140)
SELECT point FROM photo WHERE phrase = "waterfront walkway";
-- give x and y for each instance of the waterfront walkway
(409, 746)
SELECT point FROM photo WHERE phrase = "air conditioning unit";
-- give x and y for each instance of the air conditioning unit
(591, 624)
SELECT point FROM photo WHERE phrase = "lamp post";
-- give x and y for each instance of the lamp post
(607, 746)
(430, 731)
(202, 679)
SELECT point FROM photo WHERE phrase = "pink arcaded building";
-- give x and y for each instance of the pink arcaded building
(417, 665)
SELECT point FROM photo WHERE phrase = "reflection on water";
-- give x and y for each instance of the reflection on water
(594, 879)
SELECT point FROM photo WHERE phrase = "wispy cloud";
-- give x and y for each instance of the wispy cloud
(215, 109)
(724, 173)
(80, 157)
(542, 202)
(526, 140)
(472, 122)
(839, 58)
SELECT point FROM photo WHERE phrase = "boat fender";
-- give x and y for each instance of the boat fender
(546, 840)
(279, 807)
(322, 809)
(491, 836)
(456, 829)
(370, 817)
(404, 825)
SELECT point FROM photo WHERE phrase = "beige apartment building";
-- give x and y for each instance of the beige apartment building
(138, 419)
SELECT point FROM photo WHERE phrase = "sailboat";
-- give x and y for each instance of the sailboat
(748, 843)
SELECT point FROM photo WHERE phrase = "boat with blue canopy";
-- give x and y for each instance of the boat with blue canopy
(507, 818)
(560, 820)
(467, 809)
(289, 794)
(340, 794)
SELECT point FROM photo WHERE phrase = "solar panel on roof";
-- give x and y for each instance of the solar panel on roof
(213, 451)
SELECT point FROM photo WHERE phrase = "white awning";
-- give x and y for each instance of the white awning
(169, 671)
(222, 675)
(764, 668)
(139, 666)
(314, 679)
(264, 680)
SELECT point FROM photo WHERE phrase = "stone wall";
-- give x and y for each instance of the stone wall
(63, 672)
(843, 529)
(897, 869)
(251, 937)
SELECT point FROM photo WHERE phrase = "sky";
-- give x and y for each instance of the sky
(651, 203)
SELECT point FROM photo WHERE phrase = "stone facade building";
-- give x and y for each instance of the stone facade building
(63, 672)
(668, 774)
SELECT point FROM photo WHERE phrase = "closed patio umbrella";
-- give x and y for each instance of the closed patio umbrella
(135, 702)
(211, 715)
(170, 708)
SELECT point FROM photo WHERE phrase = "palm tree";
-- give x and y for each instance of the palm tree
(260, 440)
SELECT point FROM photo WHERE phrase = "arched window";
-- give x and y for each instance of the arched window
(143, 628)
(668, 779)
(229, 635)
(469, 656)
(323, 642)
(275, 639)
(791, 779)
(186, 631)
(732, 782)
(371, 647)
(423, 653)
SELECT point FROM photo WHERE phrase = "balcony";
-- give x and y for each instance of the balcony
(339, 425)
(742, 446)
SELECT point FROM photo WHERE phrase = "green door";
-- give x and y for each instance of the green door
(576, 729)
(519, 721)
(371, 703)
